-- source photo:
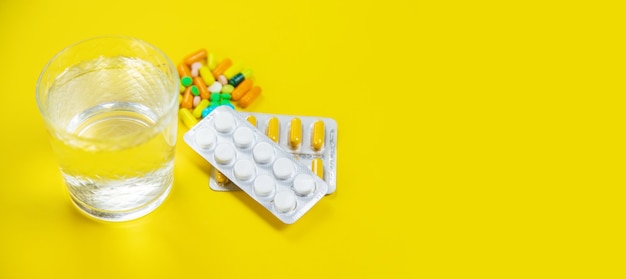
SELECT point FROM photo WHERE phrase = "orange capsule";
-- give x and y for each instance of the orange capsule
(250, 96)
(241, 89)
(187, 99)
(195, 57)
(183, 70)
(221, 67)
(204, 91)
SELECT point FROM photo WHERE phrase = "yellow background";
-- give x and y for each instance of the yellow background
(477, 139)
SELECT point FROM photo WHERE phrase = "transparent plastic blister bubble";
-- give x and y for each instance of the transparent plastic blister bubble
(257, 165)
(320, 155)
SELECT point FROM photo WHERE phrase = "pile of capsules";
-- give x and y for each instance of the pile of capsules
(206, 84)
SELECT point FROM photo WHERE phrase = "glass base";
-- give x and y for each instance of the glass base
(121, 216)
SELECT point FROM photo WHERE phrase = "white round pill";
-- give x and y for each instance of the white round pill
(215, 87)
(283, 168)
(263, 153)
(244, 170)
(224, 154)
(205, 138)
(243, 137)
(285, 201)
(264, 185)
(224, 122)
(303, 184)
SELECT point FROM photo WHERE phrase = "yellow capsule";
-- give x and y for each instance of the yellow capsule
(197, 112)
(317, 167)
(211, 61)
(180, 99)
(220, 177)
(233, 70)
(252, 120)
(273, 129)
(317, 136)
(207, 76)
(295, 133)
(187, 118)
(181, 87)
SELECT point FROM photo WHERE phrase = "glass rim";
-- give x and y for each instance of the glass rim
(38, 89)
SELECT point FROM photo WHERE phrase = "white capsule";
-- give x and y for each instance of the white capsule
(195, 68)
(224, 154)
(224, 122)
(285, 201)
(244, 170)
(303, 184)
(215, 87)
(263, 153)
(283, 168)
(243, 137)
(264, 185)
(205, 138)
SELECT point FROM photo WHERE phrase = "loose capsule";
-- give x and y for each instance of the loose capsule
(220, 177)
(215, 97)
(194, 90)
(215, 87)
(252, 120)
(317, 136)
(196, 56)
(211, 61)
(187, 99)
(204, 91)
(221, 67)
(272, 130)
(206, 75)
(186, 81)
(196, 101)
(183, 70)
(197, 112)
(187, 118)
(236, 80)
(228, 89)
(181, 87)
(180, 99)
(317, 167)
(250, 96)
(195, 68)
(222, 79)
(232, 70)
(295, 133)
(241, 90)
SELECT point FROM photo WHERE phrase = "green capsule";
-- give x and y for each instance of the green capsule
(227, 88)
(186, 81)
(215, 97)
(225, 96)
(236, 80)
(194, 90)
(224, 102)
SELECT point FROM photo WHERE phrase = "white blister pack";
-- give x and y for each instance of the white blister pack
(256, 164)
(311, 140)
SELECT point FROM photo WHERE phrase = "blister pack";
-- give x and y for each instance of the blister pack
(311, 140)
(256, 164)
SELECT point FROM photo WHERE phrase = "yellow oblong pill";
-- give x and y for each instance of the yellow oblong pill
(251, 119)
(317, 167)
(187, 118)
(273, 129)
(220, 177)
(295, 133)
(317, 136)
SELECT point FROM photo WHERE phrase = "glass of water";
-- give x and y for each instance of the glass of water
(110, 106)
